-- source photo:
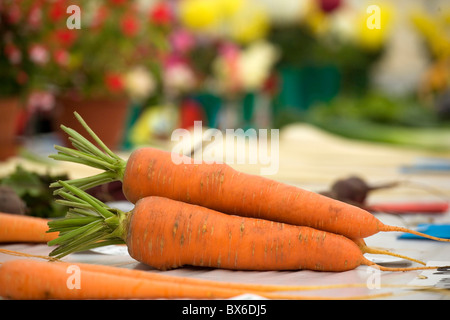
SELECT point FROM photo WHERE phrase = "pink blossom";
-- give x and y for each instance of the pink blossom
(35, 16)
(39, 54)
(182, 41)
(173, 59)
(178, 76)
(41, 100)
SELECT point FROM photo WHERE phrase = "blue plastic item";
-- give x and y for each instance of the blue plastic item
(435, 230)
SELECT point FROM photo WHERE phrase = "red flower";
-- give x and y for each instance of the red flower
(329, 6)
(57, 10)
(66, 37)
(129, 25)
(61, 57)
(114, 82)
(161, 13)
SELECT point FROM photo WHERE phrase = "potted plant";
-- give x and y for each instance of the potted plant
(87, 67)
(17, 27)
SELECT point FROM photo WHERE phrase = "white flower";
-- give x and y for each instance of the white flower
(178, 78)
(255, 64)
(139, 83)
(284, 12)
(343, 23)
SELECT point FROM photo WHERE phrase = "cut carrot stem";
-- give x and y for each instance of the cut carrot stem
(152, 172)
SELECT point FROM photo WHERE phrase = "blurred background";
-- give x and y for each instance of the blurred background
(137, 70)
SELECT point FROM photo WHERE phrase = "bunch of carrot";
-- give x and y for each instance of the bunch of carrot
(204, 215)
(208, 215)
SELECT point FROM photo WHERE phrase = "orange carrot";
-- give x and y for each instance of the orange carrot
(19, 228)
(168, 234)
(165, 234)
(30, 279)
(157, 276)
(151, 172)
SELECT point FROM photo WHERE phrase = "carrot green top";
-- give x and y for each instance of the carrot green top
(87, 153)
(88, 224)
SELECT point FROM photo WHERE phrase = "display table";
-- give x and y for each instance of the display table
(312, 160)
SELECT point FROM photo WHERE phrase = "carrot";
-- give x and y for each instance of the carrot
(20, 228)
(138, 274)
(160, 277)
(151, 172)
(165, 234)
(30, 279)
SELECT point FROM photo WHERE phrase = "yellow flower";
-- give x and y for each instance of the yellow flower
(250, 23)
(317, 20)
(156, 121)
(374, 26)
(200, 15)
(435, 32)
(229, 8)
(242, 20)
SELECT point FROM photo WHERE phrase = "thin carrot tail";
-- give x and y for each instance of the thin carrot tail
(365, 249)
(406, 230)
(389, 253)
(373, 264)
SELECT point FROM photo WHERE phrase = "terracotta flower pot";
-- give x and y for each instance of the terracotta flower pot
(105, 116)
(9, 108)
